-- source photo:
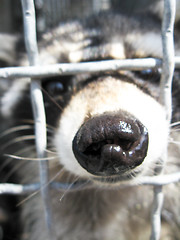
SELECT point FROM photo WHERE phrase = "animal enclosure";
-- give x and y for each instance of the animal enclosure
(35, 71)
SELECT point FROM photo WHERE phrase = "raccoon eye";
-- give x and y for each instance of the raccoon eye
(56, 85)
(152, 75)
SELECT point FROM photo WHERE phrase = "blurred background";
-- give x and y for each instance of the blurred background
(51, 12)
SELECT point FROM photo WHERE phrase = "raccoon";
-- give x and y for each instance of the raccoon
(105, 129)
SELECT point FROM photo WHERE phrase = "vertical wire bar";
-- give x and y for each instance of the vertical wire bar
(38, 109)
(156, 213)
(166, 101)
(168, 56)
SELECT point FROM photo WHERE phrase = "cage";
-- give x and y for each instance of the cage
(44, 20)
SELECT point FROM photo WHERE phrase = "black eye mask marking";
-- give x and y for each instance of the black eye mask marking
(151, 75)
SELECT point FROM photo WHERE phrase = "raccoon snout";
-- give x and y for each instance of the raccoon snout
(111, 144)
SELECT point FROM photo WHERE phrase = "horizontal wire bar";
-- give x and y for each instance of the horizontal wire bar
(160, 180)
(17, 189)
(75, 68)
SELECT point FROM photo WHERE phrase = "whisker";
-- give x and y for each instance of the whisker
(84, 183)
(5, 164)
(60, 172)
(18, 164)
(68, 188)
(8, 160)
(52, 99)
(27, 198)
(51, 152)
(15, 129)
(175, 124)
(27, 158)
(18, 139)
(31, 121)
(175, 142)
(38, 191)
(175, 130)
(13, 170)
(51, 147)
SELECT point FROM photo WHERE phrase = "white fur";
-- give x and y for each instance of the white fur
(147, 44)
(7, 47)
(12, 96)
(121, 96)
(158, 9)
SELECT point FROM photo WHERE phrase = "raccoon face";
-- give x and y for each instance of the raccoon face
(111, 131)
(110, 127)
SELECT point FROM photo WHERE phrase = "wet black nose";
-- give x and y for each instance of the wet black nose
(111, 144)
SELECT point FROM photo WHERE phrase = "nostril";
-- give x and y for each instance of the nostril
(96, 148)
(124, 143)
(110, 144)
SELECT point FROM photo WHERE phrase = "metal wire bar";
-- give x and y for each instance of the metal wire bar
(65, 69)
(156, 213)
(74, 68)
(15, 189)
(38, 108)
(165, 98)
(168, 55)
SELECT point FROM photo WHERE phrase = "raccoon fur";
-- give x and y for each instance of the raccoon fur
(106, 129)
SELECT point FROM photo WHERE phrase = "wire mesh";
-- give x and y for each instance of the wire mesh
(165, 99)
(38, 109)
(34, 71)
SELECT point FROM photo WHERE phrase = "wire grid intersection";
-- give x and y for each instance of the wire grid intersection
(33, 71)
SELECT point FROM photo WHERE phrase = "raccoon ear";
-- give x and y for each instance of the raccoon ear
(7, 49)
(157, 9)
(141, 44)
